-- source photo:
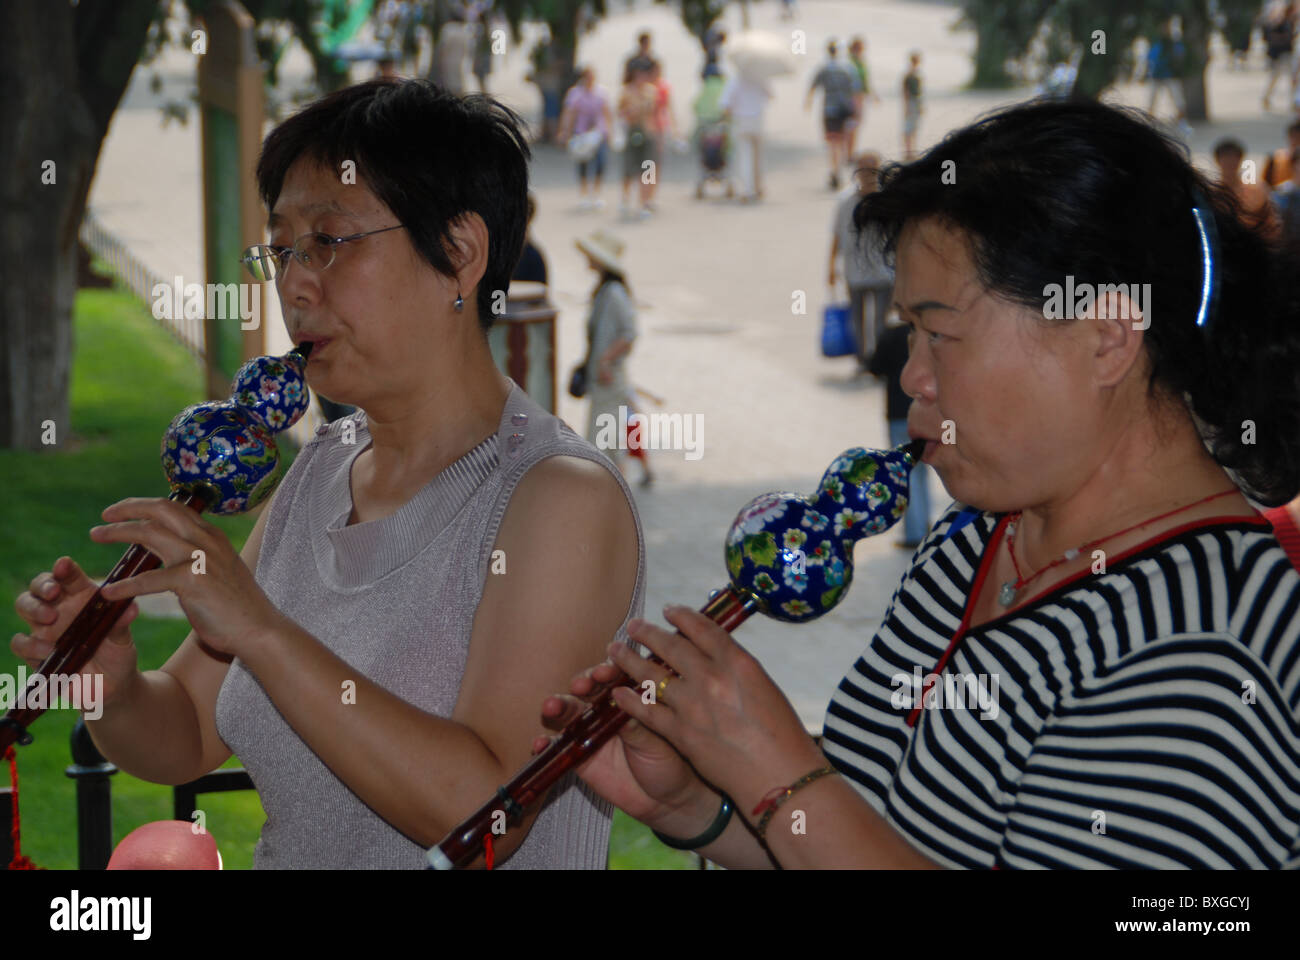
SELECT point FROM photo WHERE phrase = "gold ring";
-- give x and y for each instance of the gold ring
(662, 686)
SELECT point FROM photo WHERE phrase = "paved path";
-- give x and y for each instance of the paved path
(714, 282)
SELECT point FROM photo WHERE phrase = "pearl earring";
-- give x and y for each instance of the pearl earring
(460, 302)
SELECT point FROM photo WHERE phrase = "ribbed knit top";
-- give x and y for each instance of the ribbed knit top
(396, 598)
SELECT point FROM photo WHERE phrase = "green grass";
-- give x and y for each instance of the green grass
(129, 378)
(632, 846)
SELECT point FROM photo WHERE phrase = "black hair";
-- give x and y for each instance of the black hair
(1294, 127)
(1050, 188)
(429, 155)
(1229, 145)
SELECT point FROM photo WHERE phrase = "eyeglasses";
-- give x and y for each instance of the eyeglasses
(315, 251)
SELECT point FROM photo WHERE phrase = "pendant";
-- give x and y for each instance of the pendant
(1007, 595)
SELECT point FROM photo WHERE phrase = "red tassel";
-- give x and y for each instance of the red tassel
(19, 862)
(487, 849)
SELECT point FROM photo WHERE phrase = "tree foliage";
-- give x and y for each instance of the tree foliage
(1017, 40)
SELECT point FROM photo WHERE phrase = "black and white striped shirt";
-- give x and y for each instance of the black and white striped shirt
(1147, 716)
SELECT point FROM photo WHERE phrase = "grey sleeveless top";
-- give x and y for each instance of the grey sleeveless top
(395, 597)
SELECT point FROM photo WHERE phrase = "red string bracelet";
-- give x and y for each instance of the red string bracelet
(774, 798)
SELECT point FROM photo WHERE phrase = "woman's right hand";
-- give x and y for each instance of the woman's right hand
(638, 771)
(51, 603)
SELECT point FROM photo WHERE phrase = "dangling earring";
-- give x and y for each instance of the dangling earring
(460, 302)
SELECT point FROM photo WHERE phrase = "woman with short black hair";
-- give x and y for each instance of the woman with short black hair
(1094, 659)
(430, 565)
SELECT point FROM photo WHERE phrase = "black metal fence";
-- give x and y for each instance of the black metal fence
(95, 799)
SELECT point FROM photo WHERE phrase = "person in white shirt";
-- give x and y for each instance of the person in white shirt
(745, 101)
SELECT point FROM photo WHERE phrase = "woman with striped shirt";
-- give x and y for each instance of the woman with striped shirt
(1094, 658)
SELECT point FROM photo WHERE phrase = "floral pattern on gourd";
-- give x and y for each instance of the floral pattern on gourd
(229, 447)
(794, 554)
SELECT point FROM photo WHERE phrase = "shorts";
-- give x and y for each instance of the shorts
(640, 147)
(834, 121)
(595, 166)
(911, 118)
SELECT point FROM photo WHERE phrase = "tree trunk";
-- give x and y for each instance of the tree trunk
(990, 55)
(63, 70)
(1096, 73)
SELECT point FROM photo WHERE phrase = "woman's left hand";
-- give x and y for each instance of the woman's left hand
(218, 593)
(724, 713)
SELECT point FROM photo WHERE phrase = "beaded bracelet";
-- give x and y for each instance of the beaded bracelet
(711, 833)
(767, 806)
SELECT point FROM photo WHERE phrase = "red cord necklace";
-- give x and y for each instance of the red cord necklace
(1007, 594)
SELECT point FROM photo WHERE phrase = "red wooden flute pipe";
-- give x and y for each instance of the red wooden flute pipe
(219, 457)
(789, 556)
(579, 740)
(83, 636)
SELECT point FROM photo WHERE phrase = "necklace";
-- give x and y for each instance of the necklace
(1007, 593)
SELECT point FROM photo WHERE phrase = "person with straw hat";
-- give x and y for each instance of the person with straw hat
(611, 331)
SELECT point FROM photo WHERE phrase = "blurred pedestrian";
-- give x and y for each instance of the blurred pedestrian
(858, 61)
(1164, 70)
(869, 280)
(744, 102)
(666, 131)
(888, 362)
(711, 137)
(912, 106)
(611, 331)
(451, 51)
(1281, 164)
(636, 108)
(840, 87)
(637, 437)
(1238, 25)
(1277, 24)
(585, 125)
(643, 59)
(1256, 206)
(532, 264)
(713, 39)
(481, 64)
(548, 73)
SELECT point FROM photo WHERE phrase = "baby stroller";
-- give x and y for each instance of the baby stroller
(711, 137)
(714, 147)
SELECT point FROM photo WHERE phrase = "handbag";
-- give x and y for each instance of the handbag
(585, 146)
(838, 337)
(578, 381)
